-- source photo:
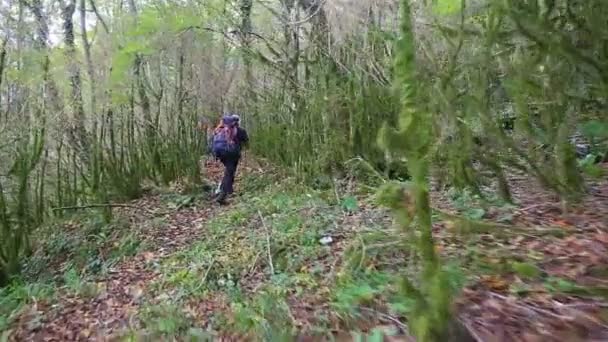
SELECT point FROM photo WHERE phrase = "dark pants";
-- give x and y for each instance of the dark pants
(230, 162)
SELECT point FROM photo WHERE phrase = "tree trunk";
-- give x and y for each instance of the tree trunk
(149, 130)
(94, 9)
(2, 63)
(87, 55)
(246, 28)
(77, 132)
(48, 86)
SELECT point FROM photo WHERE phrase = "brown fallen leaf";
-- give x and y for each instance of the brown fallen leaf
(136, 292)
(495, 282)
(563, 223)
(148, 256)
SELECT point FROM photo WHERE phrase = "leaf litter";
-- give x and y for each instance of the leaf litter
(541, 287)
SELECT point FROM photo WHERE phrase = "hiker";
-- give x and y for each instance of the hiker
(228, 139)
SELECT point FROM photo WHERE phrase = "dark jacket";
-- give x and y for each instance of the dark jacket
(242, 138)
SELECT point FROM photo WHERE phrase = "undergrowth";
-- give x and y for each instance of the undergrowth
(70, 253)
(282, 260)
(291, 259)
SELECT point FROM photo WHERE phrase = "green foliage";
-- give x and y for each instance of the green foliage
(596, 133)
(350, 204)
(313, 110)
(15, 296)
(75, 283)
(431, 314)
(376, 335)
(468, 204)
(589, 166)
(357, 290)
(525, 270)
(447, 7)
(500, 70)
(595, 130)
(79, 247)
(267, 315)
(19, 212)
(330, 118)
(165, 320)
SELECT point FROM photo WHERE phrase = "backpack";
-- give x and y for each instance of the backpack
(224, 139)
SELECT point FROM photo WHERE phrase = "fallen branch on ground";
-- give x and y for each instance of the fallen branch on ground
(267, 243)
(204, 280)
(390, 318)
(108, 205)
(468, 226)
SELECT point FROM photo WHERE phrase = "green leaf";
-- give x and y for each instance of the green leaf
(350, 204)
(402, 307)
(593, 170)
(560, 285)
(565, 285)
(525, 270)
(358, 337)
(595, 129)
(377, 335)
(447, 7)
(475, 213)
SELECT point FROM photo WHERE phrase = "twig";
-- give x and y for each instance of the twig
(267, 242)
(255, 262)
(207, 271)
(581, 305)
(471, 330)
(577, 310)
(400, 324)
(530, 207)
(362, 261)
(204, 280)
(532, 308)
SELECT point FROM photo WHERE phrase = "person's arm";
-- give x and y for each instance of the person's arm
(243, 137)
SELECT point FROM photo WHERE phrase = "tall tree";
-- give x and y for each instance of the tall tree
(246, 36)
(87, 55)
(77, 132)
(140, 83)
(2, 63)
(49, 88)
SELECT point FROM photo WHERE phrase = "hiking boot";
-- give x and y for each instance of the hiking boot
(221, 198)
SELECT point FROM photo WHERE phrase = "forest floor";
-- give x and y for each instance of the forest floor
(282, 257)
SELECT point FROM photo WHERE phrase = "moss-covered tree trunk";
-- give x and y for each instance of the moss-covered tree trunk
(2, 63)
(431, 319)
(77, 132)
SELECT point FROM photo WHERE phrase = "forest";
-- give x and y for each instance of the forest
(417, 170)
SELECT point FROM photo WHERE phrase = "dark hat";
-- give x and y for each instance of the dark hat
(229, 120)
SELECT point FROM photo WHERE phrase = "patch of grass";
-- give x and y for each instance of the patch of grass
(288, 221)
(17, 295)
(525, 270)
(234, 253)
(256, 182)
(76, 283)
(355, 290)
(267, 316)
(562, 285)
(165, 320)
(84, 242)
(176, 201)
(127, 246)
(378, 249)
